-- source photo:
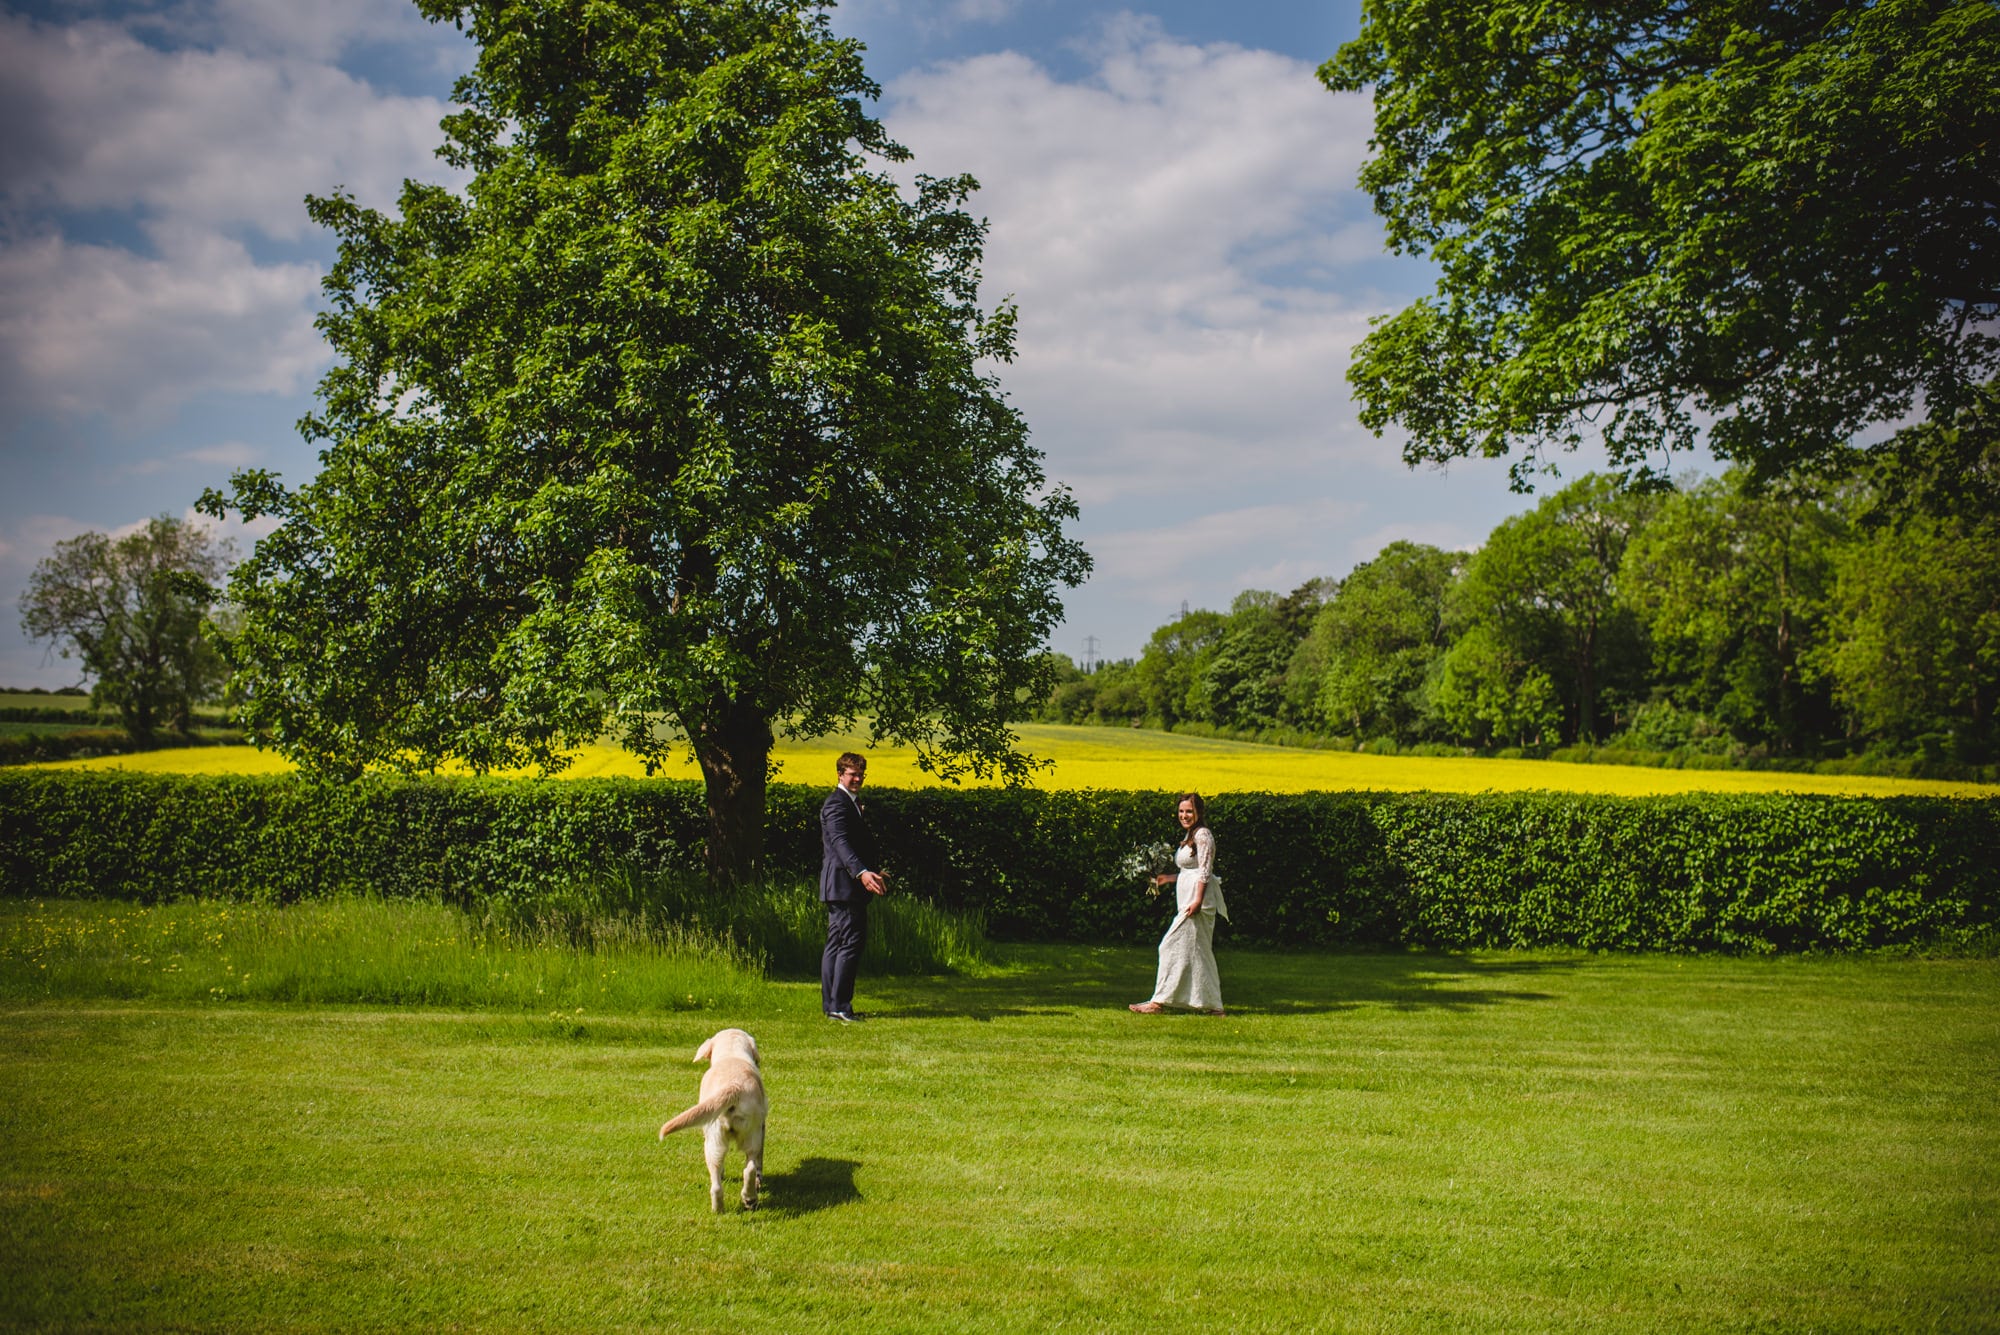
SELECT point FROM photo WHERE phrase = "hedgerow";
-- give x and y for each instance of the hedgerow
(1727, 872)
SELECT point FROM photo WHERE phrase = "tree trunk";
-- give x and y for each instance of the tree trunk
(136, 711)
(733, 746)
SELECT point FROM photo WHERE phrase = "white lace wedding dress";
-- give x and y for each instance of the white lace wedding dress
(1188, 976)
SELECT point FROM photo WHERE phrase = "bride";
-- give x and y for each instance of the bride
(1188, 977)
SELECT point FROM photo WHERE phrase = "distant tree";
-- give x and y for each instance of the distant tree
(1245, 679)
(1733, 581)
(1777, 219)
(676, 421)
(1118, 698)
(1070, 693)
(1914, 643)
(1379, 639)
(1171, 671)
(1298, 609)
(1242, 682)
(1489, 689)
(1542, 593)
(1945, 467)
(132, 609)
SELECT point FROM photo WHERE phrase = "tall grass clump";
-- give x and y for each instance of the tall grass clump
(624, 940)
(363, 950)
(779, 922)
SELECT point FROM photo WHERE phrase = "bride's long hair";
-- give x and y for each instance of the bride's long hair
(1200, 816)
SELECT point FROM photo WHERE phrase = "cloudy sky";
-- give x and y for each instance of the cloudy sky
(1172, 202)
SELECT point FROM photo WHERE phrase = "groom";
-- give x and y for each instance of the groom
(847, 858)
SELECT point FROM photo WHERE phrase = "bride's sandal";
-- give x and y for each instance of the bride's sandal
(1145, 1008)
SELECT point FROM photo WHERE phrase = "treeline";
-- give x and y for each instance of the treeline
(1852, 623)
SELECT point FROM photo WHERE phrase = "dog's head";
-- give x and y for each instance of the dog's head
(728, 1043)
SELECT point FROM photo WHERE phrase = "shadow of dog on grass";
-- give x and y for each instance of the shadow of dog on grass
(815, 1184)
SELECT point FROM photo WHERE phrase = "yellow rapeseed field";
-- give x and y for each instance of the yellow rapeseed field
(1138, 759)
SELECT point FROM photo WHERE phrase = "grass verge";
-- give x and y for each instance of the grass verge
(1487, 1142)
(620, 944)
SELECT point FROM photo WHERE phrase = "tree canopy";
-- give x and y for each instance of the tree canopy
(1733, 583)
(1774, 221)
(1540, 598)
(1379, 639)
(132, 609)
(676, 420)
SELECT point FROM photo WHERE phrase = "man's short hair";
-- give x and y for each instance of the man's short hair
(850, 761)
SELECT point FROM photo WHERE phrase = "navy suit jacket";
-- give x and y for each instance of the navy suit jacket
(846, 849)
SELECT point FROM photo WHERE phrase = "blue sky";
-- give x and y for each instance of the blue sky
(1172, 204)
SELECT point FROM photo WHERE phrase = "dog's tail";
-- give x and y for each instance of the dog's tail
(710, 1108)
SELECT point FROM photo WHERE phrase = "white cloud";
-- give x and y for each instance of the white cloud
(229, 454)
(322, 30)
(1220, 553)
(1440, 533)
(26, 540)
(202, 151)
(1194, 264)
(927, 17)
(239, 534)
(193, 137)
(1176, 231)
(984, 11)
(98, 329)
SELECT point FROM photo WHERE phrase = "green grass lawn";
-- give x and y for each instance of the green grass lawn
(1368, 1142)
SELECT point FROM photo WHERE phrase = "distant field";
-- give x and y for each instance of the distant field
(1139, 759)
(31, 700)
(47, 704)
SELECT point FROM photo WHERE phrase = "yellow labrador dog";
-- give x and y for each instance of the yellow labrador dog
(732, 1107)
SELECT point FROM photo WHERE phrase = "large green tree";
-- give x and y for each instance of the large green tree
(1539, 600)
(1380, 638)
(1171, 673)
(1733, 581)
(133, 610)
(1246, 682)
(1775, 219)
(678, 419)
(1914, 651)
(1945, 468)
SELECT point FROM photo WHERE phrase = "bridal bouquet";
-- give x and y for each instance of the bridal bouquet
(1147, 861)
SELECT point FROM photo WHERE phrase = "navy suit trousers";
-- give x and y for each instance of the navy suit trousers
(846, 934)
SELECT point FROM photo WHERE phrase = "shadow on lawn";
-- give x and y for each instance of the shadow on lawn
(1048, 980)
(816, 1184)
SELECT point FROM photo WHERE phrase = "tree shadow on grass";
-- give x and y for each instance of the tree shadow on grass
(1052, 980)
(815, 1184)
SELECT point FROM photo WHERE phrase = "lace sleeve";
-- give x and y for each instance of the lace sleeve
(1204, 852)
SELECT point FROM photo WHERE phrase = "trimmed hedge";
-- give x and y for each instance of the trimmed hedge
(1697, 872)
(62, 744)
(72, 743)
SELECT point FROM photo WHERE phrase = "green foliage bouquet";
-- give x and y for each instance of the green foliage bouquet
(1148, 862)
